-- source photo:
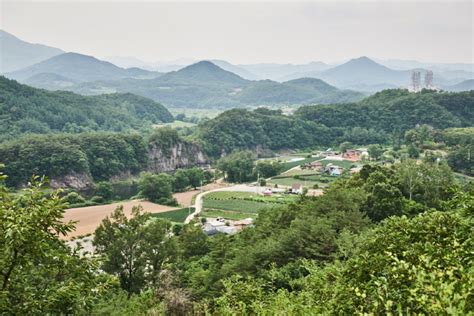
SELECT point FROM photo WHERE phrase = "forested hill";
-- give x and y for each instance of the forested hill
(205, 85)
(24, 109)
(377, 119)
(393, 110)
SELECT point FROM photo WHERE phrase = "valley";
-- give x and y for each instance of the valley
(160, 184)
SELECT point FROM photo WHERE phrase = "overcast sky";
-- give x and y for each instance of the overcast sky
(249, 32)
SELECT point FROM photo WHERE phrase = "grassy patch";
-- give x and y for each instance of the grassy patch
(226, 214)
(177, 216)
(244, 206)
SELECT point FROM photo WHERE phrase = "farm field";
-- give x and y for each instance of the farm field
(226, 214)
(89, 218)
(177, 216)
(239, 205)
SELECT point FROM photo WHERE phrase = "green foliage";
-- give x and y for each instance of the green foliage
(133, 249)
(100, 155)
(238, 166)
(74, 198)
(39, 275)
(28, 110)
(156, 187)
(375, 151)
(104, 190)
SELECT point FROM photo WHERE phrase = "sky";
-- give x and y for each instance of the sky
(249, 31)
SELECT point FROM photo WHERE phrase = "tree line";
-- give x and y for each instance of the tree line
(381, 118)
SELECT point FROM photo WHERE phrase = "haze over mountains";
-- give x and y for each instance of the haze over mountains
(17, 54)
(214, 83)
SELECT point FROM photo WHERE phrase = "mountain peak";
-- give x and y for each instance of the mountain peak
(363, 60)
(204, 72)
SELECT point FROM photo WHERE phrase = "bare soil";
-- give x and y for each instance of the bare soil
(90, 217)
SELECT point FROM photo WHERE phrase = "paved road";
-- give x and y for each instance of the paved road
(236, 188)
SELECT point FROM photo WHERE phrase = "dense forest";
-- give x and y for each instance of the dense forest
(28, 110)
(98, 156)
(387, 240)
(381, 118)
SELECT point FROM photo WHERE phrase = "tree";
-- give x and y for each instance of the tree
(375, 151)
(181, 180)
(38, 273)
(104, 189)
(345, 146)
(238, 166)
(134, 249)
(413, 152)
(156, 187)
(267, 169)
(196, 176)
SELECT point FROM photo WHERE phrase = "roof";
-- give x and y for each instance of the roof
(296, 186)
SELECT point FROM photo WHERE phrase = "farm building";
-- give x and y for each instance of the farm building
(315, 165)
(296, 188)
(352, 154)
(334, 170)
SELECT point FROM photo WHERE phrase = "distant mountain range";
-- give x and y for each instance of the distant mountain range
(214, 83)
(465, 85)
(205, 84)
(16, 54)
(80, 68)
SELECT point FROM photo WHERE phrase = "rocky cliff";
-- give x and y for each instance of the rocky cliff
(180, 155)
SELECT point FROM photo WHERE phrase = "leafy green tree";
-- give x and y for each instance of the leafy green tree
(195, 176)
(38, 273)
(238, 166)
(104, 189)
(413, 152)
(267, 169)
(134, 249)
(156, 187)
(343, 147)
(375, 151)
(181, 180)
(74, 198)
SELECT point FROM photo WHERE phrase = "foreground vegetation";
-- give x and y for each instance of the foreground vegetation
(387, 240)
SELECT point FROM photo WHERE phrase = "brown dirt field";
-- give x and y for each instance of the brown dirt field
(90, 217)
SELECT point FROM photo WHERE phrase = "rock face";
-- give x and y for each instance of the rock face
(180, 155)
(74, 180)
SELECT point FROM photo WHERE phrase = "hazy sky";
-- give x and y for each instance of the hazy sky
(249, 32)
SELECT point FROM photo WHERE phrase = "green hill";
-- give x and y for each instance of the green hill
(206, 85)
(24, 109)
(377, 119)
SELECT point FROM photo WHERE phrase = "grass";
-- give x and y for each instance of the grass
(290, 181)
(239, 205)
(226, 214)
(177, 216)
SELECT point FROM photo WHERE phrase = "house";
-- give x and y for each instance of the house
(218, 225)
(333, 170)
(352, 154)
(296, 188)
(239, 225)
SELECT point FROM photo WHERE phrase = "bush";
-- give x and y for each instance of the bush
(74, 198)
(97, 199)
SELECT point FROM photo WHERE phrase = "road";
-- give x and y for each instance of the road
(236, 188)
